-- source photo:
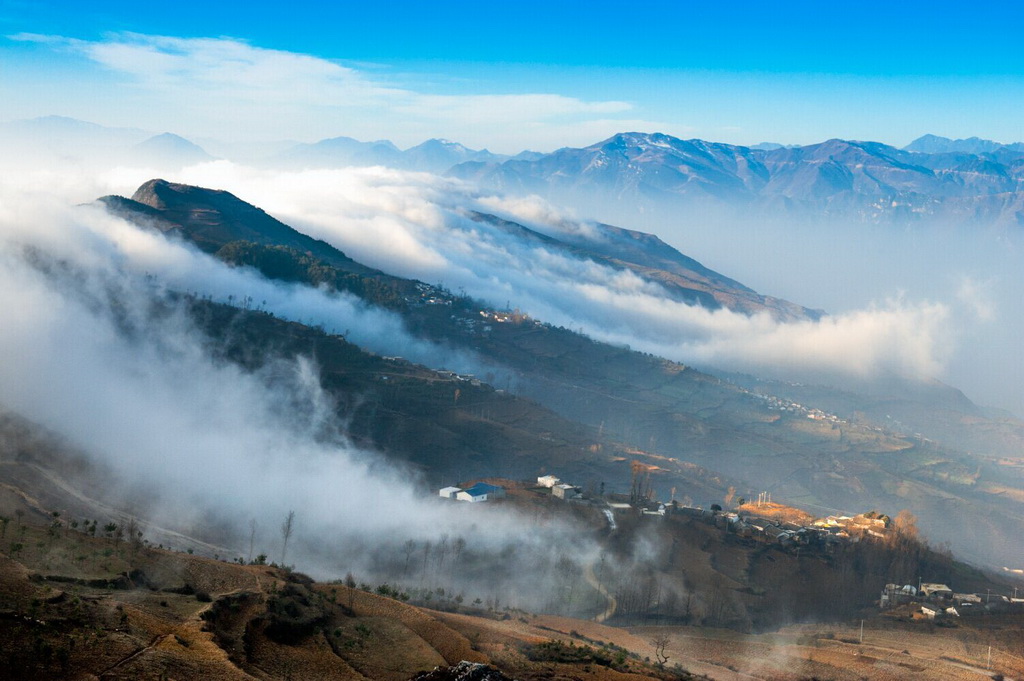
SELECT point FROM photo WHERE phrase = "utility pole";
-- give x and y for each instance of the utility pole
(989, 664)
(862, 631)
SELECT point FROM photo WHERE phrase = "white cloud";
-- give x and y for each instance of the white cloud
(227, 87)
(135, 388)
(416, 225)
(978, 296)
(506, 109)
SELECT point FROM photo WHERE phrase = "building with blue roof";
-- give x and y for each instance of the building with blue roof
(481, 491)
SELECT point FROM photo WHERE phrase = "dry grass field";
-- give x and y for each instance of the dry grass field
(145, 613)
(915, 651)
(74, 606)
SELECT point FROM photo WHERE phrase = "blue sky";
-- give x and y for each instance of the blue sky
(516, 75)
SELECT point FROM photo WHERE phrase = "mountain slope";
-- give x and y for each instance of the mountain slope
(867, 169)
(685, 279)
(437, 156)
(694, 427)
(212, 219)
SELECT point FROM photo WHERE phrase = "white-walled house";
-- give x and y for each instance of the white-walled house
(449, 492)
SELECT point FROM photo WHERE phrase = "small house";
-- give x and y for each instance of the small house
(936, 591)
(449, 492)
(564, 491)
(776, 533)
(481, 491)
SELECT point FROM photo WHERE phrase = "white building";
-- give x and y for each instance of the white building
(449, 492)
(548, 481)
(563, 491)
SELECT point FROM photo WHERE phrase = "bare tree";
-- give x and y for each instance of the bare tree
(442, 551)
(426, 557)
(904, 525)
(457, 548)
(286, 534)
(252, 537)
(350, 582)
(660, 642)
(410, 547)
(134, 539)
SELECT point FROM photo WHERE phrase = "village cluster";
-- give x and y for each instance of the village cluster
(780, 404)
(483, 491)
(481, 323)
(936, 601)
(821, 532)
(925, 601)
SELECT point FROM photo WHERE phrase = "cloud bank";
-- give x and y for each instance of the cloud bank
(104, 358)
(418, 226)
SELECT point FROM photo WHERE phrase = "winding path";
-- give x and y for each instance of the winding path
(588, 574)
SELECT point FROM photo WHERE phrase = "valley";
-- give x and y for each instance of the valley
(527, 341)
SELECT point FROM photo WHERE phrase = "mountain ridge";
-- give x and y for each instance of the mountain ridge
(647, 172)
(433, 155)
(213, 218)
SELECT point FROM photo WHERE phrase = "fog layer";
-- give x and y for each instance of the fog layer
(419, 226)
(101, 354)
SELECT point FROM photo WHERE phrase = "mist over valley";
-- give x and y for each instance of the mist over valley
(296, 384)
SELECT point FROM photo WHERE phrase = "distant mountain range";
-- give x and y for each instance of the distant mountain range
(631, 172)
(434, 155)
(60, 138)
(933, 144)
